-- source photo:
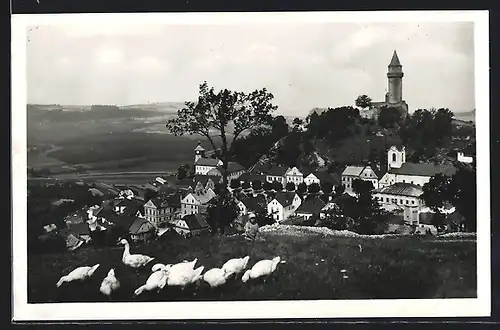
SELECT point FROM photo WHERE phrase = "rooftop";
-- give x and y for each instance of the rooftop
(285, 198)
(401, 189)
(395, 60)
(353, 170)
(420, 169)
(136, 227)
(311, 205)
(207, 162)
(195, 221)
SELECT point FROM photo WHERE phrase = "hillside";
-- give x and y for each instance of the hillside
(376, 268)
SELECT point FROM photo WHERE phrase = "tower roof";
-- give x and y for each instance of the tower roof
(395, 60)
(199, 147)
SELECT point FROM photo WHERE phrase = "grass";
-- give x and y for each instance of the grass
(385, 269)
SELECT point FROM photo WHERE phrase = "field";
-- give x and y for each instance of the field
(383, 268)
(107, 140)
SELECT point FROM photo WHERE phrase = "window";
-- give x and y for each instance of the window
(413, 202)
(400, 201)
(406, 202)
(393, 157)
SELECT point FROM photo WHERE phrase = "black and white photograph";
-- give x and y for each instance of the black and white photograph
(282, 165)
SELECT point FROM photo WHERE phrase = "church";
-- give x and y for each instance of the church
(401, 171)
(394, 96)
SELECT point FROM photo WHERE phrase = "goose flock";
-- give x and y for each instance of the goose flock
(174, 275)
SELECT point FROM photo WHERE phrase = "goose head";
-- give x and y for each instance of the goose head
(93, 269)
(111, 272)
(246, 276)
(123, 241)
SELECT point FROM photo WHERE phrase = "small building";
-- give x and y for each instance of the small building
(141, 230)
(293, 175)
(366, 173)
(204, 165)
(251, 204)
(309, 207)
(234, 171)
(311, 178)
(207, 181)
(461, 157)
(283, 205)
(276, 173)
(162, 209)
(400, 195)
(196, 202)
(191, 224)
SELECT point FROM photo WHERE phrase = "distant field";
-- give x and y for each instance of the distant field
(387, 268)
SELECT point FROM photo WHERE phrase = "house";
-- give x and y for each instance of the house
(123, 221)
(283, 205)
(50, 228)
(461, 157)
(191, 224)
(196, 202)
(309, 207)
(321, 177)
(251, 204)
(79, 230)
(276, 173)
(251, 177)
(185, 184)
(129, 206)
(160, 180)
(141, 230)
(294, 175)
(399, 195)
(366, 173)
(234, 171)
(400, 171)
(162, 209)
(311, 178)
(77, 217)
(205, 165)
(126, 193)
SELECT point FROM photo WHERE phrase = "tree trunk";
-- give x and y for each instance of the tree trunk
(225, 158)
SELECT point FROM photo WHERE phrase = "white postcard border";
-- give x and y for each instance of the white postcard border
(22, 311)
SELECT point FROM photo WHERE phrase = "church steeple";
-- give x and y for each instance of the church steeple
(395, 60)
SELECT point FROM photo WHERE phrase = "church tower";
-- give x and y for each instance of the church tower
(199, 152)
(396, 157)
(395, 80)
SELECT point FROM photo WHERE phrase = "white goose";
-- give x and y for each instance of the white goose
(78, 274)
(216, 277)
(182, 276)
(261, 268)
(157, 281)
(235, 266)
(134, 260)
(109, 284)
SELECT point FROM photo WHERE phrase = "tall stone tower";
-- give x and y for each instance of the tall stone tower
(395, 80)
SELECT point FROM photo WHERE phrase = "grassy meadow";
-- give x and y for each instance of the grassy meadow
(383, 268)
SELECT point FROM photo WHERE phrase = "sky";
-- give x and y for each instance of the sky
(304, 65)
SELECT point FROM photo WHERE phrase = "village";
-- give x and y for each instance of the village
(287, 196)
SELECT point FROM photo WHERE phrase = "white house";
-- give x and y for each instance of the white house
(310, 207)
(311, 178)
(464, 159)
(399, 196)
(204, 165)
(191, 224)
(159, 210)
(276, 173)
(196, 202)
(366, 173)
(294, 175)
(283, 205)
(400, 171)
